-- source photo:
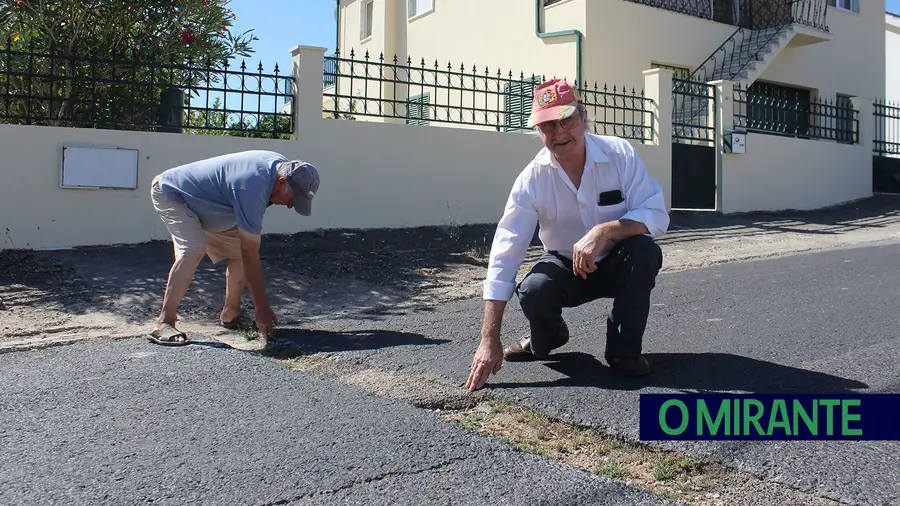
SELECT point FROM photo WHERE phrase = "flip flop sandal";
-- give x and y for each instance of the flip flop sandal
(169, 336)
(240, 322)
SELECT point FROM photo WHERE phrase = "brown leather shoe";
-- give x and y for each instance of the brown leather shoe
(629, 366)
(521, 349)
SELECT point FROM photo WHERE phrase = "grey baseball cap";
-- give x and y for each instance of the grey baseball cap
(304, 181)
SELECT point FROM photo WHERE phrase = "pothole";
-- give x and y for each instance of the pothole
(668, 474)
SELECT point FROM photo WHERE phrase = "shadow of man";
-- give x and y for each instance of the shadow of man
(303, 341)
(700, 372)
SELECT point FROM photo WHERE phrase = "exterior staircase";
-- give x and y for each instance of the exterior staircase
(758, 49)
(767, 27)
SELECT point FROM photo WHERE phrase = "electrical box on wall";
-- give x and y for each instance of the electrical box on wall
(95, 167)
(735, 142)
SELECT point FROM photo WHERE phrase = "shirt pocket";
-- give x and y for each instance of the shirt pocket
(611, 212)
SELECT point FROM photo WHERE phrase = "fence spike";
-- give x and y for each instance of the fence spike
(381, 57)
(352, 53)
(396, 61)
(276, 68)
(366, 57)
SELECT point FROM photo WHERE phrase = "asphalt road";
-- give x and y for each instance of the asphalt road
(816, 323)
(129, 422)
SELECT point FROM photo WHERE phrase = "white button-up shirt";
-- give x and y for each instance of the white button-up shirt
(543, 193)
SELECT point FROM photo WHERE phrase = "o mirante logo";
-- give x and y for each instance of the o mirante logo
(769, 417)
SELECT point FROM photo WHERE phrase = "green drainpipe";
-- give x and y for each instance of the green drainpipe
(337, 29)
(579, 38)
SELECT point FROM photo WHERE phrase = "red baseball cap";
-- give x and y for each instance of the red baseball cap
(554, 100)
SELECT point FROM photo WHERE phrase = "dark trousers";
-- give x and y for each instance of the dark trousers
(627, 274)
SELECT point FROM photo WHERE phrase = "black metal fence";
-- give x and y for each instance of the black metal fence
(135, 92)
(792, 112)
(425, 93)
(694, 111)
(887, 128)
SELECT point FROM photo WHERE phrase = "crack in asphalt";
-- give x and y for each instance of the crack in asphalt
(366, 481)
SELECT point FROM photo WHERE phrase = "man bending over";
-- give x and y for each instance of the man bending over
(215, 207)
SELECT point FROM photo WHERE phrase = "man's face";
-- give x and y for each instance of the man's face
(564, 138)
(282, 194)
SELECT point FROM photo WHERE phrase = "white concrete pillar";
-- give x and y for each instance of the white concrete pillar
(721, 116)
(309, 71)
(658, 88)
(866, 132)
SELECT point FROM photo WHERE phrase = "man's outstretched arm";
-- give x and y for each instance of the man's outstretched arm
(511, 240)
(265, 317)
(489, 354)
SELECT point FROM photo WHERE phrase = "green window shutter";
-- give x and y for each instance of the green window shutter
(417, 110)
(517, 104)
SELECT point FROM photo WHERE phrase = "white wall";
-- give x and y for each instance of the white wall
(851, 63)
(373, 175)
(778, 173)
(892, 57)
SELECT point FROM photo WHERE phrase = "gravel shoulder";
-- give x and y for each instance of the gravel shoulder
(50, 297)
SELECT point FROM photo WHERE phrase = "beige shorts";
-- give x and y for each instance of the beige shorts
(187, 232)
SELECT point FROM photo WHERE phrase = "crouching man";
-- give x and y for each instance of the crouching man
(598, 210)
(215, 207)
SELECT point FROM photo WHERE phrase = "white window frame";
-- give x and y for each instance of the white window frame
(366, 23)
(412, 12)
(847, 5)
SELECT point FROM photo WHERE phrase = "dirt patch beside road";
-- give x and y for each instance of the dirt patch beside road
(57, 296)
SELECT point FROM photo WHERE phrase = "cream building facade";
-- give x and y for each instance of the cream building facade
(833, 49)
(892, 57)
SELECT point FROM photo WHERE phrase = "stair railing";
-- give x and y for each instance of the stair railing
(755, 16)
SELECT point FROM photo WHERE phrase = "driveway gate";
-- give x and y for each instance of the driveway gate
(886, 159)
(693, 145)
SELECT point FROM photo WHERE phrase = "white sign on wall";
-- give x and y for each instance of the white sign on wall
(95, 167)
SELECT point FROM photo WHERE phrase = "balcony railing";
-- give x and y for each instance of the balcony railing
(750, 14)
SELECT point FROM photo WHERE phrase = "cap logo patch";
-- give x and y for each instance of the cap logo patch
(547, 97)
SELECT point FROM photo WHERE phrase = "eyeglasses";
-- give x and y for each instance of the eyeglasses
(566, 124)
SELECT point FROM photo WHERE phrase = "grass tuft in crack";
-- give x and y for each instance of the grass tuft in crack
(670, 475)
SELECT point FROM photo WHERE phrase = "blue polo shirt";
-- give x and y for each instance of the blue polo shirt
(225, 191)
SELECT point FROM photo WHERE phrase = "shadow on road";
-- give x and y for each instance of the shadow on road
(701, 372)
(875, 212)
(320, 341)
